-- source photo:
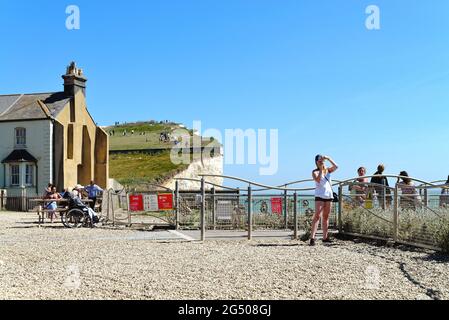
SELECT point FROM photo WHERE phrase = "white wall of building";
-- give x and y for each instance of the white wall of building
(39, 143)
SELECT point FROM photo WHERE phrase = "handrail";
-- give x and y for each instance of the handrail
(207, 182)
(296, 182)
(255, 183)
(389, 176)
(155, 185)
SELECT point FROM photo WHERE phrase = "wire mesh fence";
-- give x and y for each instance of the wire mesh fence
(417, 215)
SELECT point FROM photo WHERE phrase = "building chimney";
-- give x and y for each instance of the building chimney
(74, 80)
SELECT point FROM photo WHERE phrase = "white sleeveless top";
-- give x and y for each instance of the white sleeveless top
(323, 189)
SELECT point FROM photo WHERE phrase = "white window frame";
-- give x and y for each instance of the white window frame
(12, 175)
(20, 137)
(29, 175)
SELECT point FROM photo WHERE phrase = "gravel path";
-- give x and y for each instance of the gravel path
(56, 263)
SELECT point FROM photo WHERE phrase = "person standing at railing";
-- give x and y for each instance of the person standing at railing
(444, 199)
(410, 198)
(382, 187)
(360, 186)
(323, 196)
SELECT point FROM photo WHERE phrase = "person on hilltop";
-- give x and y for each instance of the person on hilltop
(324, 196)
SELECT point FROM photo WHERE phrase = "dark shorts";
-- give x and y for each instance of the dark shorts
(317, 199)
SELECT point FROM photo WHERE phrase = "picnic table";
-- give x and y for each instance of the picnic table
(62, 208)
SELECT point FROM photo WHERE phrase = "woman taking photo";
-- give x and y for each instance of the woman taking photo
(323, 196)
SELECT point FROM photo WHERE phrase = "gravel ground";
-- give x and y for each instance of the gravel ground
(57, 263)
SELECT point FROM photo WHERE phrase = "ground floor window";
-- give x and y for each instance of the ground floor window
(22, 174)
(15, 175)
(29, 175)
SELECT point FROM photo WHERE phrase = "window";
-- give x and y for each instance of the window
(15, 175)
(29, 175)
(72, 111)
(70, 141)
(21, 139)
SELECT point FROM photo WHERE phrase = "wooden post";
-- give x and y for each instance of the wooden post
(340, 209)
(250, 214)
(203, 210)
(396, 214)
(295, 212)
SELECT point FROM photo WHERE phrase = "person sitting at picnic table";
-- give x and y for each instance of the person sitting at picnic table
(410, 199)
(92, 190)
(53, 205)
(444, 199)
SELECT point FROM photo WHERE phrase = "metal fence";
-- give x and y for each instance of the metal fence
(409, 214)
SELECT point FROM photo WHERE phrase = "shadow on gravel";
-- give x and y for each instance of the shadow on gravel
(437, 257)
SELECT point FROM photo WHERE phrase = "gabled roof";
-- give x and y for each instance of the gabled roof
(19, 156)
(19, 107)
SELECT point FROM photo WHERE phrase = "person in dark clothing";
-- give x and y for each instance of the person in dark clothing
(382, 187)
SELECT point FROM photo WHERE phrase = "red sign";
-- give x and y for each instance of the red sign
(165, 201)
(136, 202)
(276, 205)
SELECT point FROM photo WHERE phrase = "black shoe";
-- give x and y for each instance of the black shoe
(312, 242)
(328, 240)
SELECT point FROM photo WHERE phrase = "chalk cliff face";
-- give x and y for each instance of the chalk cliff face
(209, 165)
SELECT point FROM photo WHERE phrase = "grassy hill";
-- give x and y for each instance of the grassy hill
(140, 166)
(147, 136)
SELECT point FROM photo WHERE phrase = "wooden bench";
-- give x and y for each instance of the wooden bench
(62, 208)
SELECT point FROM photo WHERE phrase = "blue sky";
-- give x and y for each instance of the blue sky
(308, 68)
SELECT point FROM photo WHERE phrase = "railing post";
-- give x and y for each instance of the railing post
(295, 212)
(396, 214)
(286, 208)
(426, 198)
(129, 210)
(214, 217)
(250, 213)
(340, 209)
(203, 210)
(177, 204)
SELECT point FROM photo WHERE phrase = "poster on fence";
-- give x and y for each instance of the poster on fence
(165, 201)
(276, 206)
(136, 202)
(150, 203)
